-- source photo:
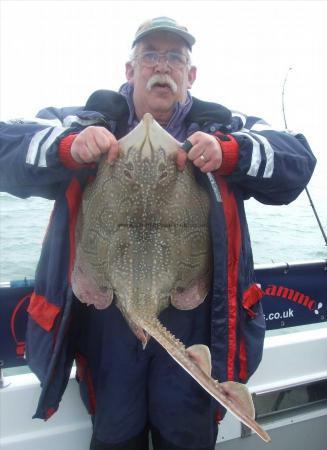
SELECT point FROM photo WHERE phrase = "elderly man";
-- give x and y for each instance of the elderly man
(128, 390)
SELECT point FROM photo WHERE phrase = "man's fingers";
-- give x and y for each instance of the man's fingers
(196, 151)
(81, 153)
(205, 152)
(114, 151)
(96, 145)
(107, 143)
(101, 140)
(91, 143)
(213, 163)
(208, 167)
(88, 154)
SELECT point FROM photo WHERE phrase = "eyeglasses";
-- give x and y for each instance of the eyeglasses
(173, 59)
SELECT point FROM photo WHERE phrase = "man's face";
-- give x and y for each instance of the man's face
(160, 98)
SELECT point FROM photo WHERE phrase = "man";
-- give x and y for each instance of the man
(128, 390)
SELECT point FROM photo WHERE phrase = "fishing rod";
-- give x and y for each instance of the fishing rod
(306, 189)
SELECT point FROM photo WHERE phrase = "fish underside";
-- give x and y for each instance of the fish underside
(142, 238)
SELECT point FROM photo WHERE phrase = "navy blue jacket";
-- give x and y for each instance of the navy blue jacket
(271, 166)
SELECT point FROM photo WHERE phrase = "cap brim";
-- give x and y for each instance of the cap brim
(187, 37)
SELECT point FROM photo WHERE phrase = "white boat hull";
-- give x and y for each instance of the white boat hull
(289, 360)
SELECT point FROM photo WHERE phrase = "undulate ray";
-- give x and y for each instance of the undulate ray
(142, 238)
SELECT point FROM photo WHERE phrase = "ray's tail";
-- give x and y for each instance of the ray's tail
(222, 392)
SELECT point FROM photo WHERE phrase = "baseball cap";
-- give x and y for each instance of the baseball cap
(163, 24)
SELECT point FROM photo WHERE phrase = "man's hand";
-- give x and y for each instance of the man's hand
(91, 143)
(205, 153)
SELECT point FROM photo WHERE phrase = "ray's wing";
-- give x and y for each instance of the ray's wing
(192, 296)
(84, 283)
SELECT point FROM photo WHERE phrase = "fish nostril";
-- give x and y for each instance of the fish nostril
(163, 176)
(129, 166)
(128, 174)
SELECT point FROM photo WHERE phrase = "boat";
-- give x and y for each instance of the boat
(289, 389)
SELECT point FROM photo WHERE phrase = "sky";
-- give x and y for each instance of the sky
(56, 53)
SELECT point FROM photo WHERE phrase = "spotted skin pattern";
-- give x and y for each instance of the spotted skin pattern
(142, 233)
(143, 239)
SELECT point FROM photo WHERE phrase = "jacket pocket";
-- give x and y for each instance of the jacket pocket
(251, 297)
(42, 311)
(41, 332)
(252, 332)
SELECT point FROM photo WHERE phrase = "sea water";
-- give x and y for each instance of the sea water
(284, 233)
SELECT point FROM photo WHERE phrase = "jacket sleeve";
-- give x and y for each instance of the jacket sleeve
(29, 157)
(273, 166)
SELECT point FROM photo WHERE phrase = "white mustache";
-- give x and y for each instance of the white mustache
(161, 79)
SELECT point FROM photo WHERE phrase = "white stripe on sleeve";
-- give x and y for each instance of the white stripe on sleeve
(256, 155)
(69, 120)
(33, 148)
(240, 116)
(57, 131)
(260, 126)
(269, 169)
(35, 120)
